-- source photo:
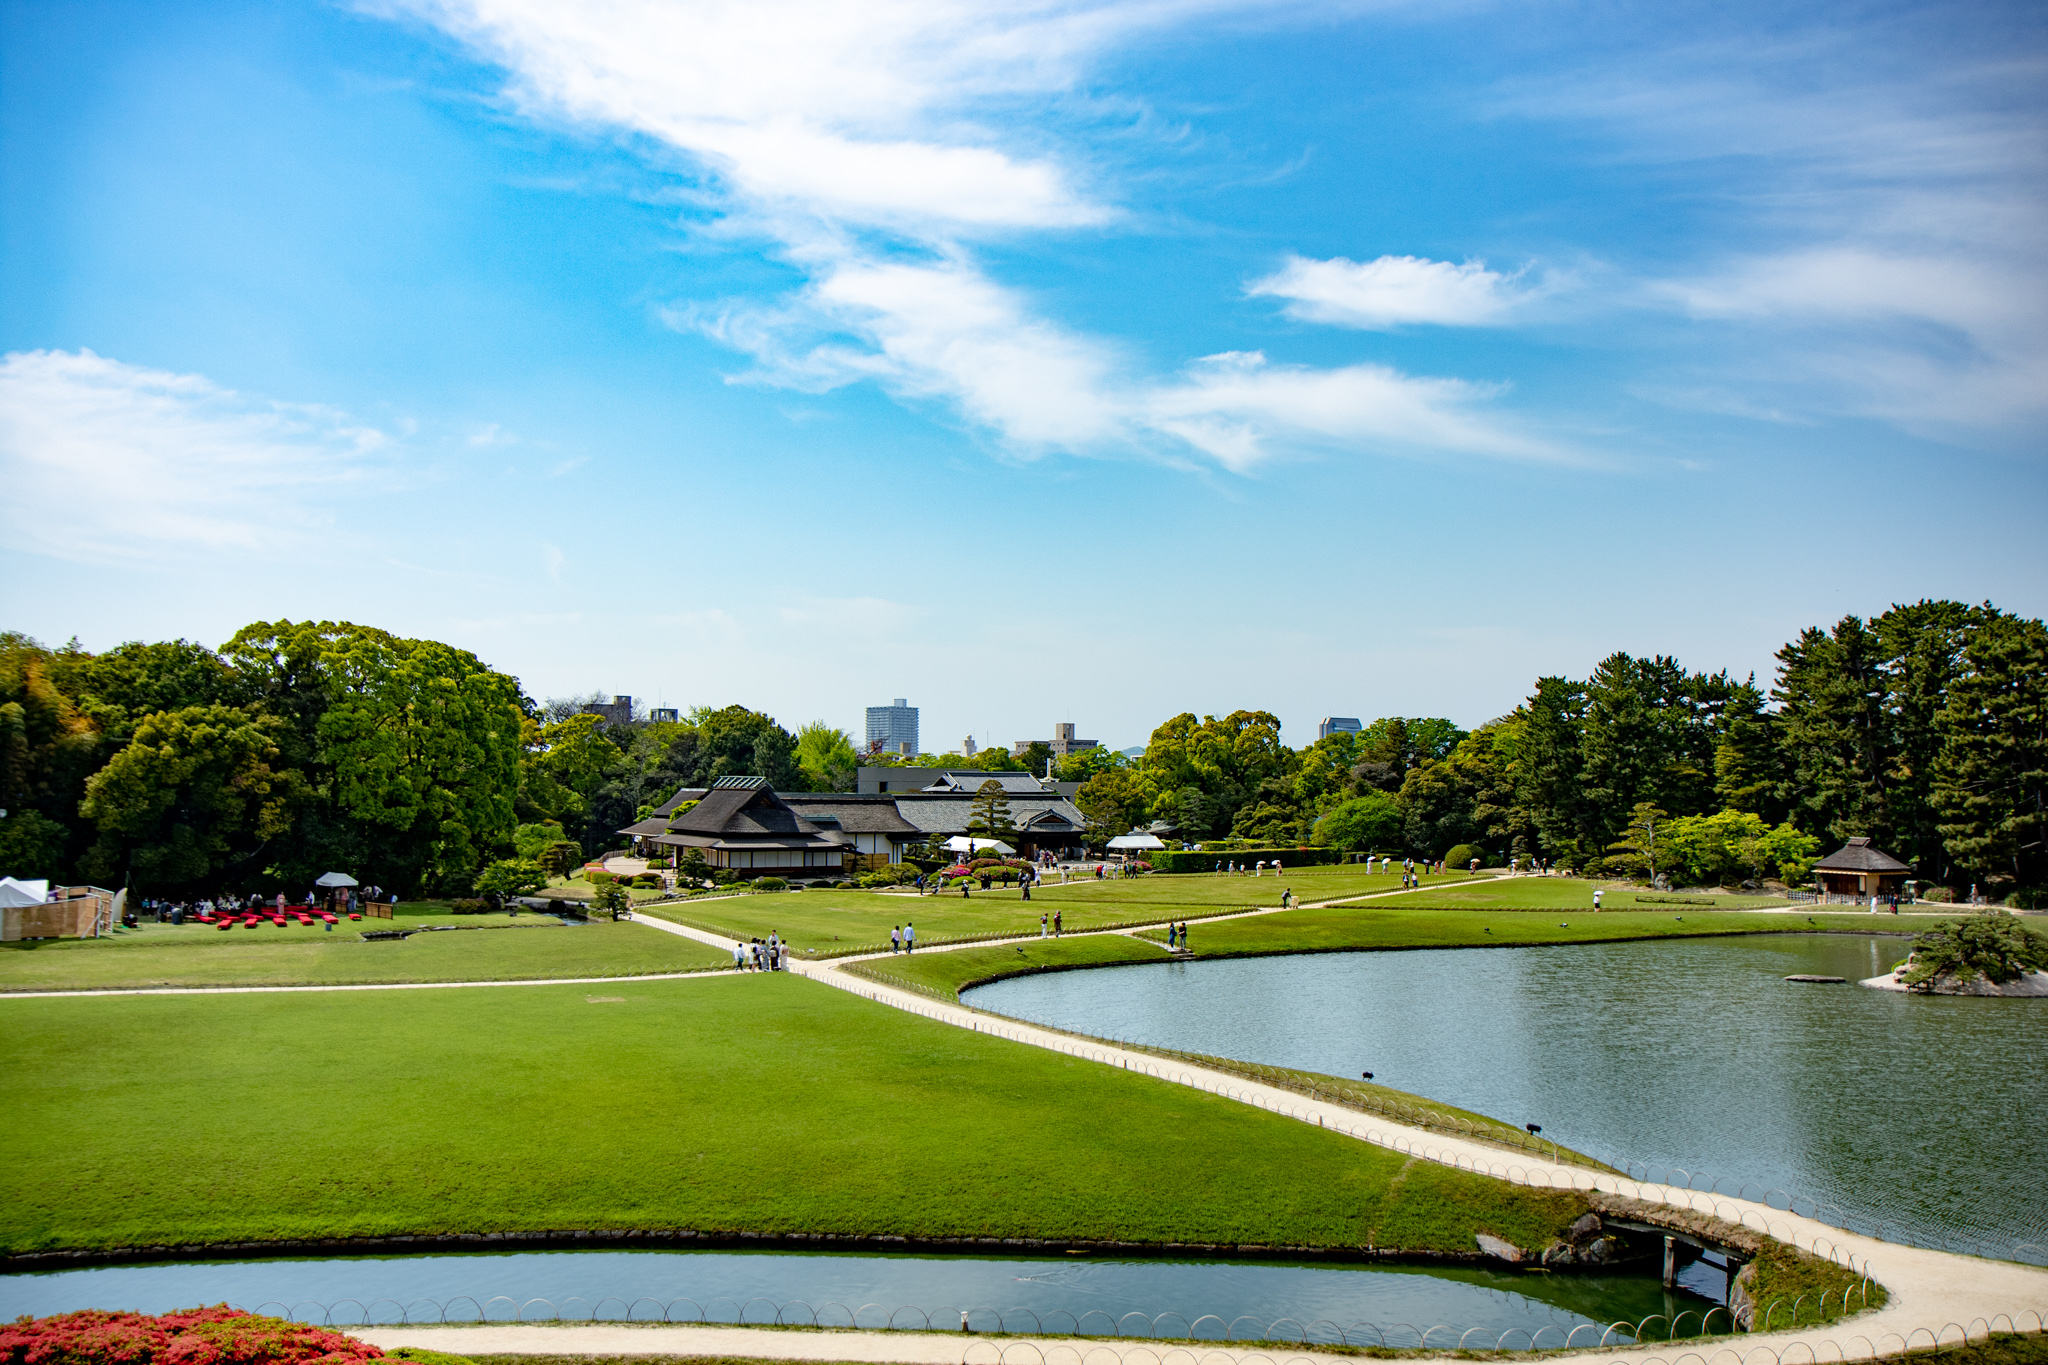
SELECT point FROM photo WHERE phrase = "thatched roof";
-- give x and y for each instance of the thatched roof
(1858, 856)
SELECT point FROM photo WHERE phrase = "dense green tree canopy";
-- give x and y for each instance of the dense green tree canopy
(192, 795)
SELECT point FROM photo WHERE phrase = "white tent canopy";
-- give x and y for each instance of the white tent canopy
(961, 843)
(13, 893)
(1136, 841)
(335, 879)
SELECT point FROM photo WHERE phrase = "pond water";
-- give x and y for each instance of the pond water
(1095, 1296)
(1925, 1113)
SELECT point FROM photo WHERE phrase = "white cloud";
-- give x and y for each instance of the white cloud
(856, 113)
(924, 122)
(948, 333)
(104, 460)
(1234, 407)
(1887, 244)
(1391, 291)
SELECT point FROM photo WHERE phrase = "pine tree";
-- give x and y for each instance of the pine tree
(1991, 779)
(989, 816)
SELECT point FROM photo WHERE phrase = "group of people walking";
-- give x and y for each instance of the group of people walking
(902, 938)
(1177, 937)
(761, 955)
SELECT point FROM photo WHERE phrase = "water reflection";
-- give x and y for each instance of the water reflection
(1210, 1299)
(1696, 1054)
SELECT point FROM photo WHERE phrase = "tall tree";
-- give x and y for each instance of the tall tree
(1992, 776)
(734, 741)
(47, 750)
(1836, 726)
(1225, 759)
(413, 748)
(1114, 803)
(827, 757)
(194, 795)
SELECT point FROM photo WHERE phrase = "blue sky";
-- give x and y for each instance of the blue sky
(1034, 361)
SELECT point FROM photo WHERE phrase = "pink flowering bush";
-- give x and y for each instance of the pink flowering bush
(219, 1335)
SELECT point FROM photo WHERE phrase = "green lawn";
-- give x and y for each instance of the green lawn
(1573, 893)
(1218, 891)
(1398, 923)
(745, 1103)
(825, 923)
(950, 971)
(267, 956)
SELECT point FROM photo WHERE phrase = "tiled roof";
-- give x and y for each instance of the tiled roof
(963, 780)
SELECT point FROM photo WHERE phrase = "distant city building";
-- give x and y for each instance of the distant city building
(1338, 725)
(893, 729)
(618, 712)
(1063, 741)
(967, 746)
(668, 713)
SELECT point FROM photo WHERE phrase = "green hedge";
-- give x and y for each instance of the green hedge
(1166, 860)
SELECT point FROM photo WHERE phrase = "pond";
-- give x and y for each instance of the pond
(1925, 1113)
(1096, 1296)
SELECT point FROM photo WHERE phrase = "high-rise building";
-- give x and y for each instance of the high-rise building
(893, 729)
(1338, 725)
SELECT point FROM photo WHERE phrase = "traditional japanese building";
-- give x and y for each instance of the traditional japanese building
(741, 825)
(1856, 872)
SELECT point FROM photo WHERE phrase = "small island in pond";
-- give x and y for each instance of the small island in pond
(1985, 954)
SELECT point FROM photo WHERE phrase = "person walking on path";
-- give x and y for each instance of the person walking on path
(1056, 923)
(739, 957)
(895, 939)
(1041, 926)
(1598, 892)
(909, 938)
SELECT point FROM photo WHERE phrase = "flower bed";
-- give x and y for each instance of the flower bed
(193, 1336)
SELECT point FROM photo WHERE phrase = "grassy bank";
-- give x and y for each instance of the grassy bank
(828, 922)
(759, 1103)
(1573, 893)
(1225, 890)
(1399, 923)
(953, 970)
(528, 948)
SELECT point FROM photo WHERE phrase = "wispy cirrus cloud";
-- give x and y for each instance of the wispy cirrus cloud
(878, 144)
(1394, 291)
(1886, 243)
(105, 460)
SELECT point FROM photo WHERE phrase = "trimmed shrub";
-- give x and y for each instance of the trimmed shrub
(1940, 895)
(648, 879)
(770, 884)
(194, 1336)
(469, 907)
(1459, 859)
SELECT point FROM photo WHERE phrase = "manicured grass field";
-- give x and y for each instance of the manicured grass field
(267, 956)
(949, 971)
(1218, 890)
(1396, 923)
(827, 922)
(1573, 893)
(765, 1103)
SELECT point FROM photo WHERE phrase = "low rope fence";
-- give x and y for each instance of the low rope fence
(1887, 1345)
(1092, 1323)
(1677, 1187)
(1020, 933)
